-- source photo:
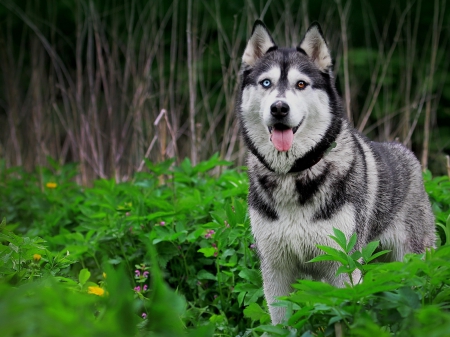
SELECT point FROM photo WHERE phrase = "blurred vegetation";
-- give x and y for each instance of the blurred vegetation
(87, 81)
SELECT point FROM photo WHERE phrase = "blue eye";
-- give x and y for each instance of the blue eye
(266, 83)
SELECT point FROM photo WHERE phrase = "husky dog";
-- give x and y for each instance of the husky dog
(311, 171)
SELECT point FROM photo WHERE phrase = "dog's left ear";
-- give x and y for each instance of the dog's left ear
(315, 46)
(260, 42)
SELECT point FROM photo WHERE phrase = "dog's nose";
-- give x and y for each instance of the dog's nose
(279, 109)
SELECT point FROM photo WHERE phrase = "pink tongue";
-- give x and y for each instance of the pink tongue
(282, 139)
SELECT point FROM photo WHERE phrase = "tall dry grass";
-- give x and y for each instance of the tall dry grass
(109, 85)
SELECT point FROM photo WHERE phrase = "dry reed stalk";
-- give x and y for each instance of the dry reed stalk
(448, 165)
(192, 90)
(384, 70)
(437, 24)
(410, 56)
(172, 75)
(126, 67)
(343, 15)
(162, 114)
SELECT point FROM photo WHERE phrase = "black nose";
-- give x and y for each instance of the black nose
(279, 109)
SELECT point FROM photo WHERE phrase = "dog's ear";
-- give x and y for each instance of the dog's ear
(260, 42)
(315, 46)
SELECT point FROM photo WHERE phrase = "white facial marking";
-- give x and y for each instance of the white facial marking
(273, 74)
(294, 76)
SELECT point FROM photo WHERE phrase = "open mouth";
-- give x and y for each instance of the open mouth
(282, 136)
(284, 127)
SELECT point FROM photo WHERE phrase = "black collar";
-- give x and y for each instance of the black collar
(311, 159)
(313, 156)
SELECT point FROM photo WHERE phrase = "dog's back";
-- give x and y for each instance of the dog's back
(403, 218)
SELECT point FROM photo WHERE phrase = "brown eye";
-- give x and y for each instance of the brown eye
(301, 85)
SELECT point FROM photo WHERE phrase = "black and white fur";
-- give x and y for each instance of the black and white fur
(297, 196)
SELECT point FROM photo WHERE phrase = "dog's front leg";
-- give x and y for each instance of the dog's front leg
(277, 282)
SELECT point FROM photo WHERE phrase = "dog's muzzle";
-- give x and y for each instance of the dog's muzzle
(279, 109)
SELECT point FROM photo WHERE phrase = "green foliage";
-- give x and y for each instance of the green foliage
(438, 190)
(195, 224)
(350, 262)
(170, 253)
(394, 299)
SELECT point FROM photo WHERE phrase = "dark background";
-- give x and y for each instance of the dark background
(85, 81)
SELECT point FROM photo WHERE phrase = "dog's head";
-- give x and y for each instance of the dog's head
(287, 102)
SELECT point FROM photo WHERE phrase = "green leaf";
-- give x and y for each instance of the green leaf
(256, 313)
(325, 257)
(277, 329)
(240, 298)
(253, 276)
(373, 257)
(204, 275)
(344, 270)
(208, 252)
(351, 243)
(368, 250)
(340, 238)
(356, 255)
(253, 296)
(339, 255)
(14, 247)
(83, 276)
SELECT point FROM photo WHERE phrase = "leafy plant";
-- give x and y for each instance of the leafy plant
(394, 297)
(103, 260)
(349, 258)
(438, 190)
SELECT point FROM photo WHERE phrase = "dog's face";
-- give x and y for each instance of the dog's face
(285, 104)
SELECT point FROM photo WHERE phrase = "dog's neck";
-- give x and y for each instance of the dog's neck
(311, 158)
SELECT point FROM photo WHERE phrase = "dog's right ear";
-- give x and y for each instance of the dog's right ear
(260, 42)
(315, 46)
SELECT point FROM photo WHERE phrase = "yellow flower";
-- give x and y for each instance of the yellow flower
(96, 291)
(51, 185)
(36, 257)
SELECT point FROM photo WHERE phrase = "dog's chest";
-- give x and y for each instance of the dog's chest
(295, 231)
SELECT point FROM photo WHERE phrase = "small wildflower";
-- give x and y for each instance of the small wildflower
(145, 287)
(37, 257)
(137, 289)
(209, 234)
(51, 185)
(127, 213)
(252, 246)
(144, 315)
(162, 223)
(145, 274)
(96, 291)
(138, 273)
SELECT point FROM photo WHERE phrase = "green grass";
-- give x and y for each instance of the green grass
(170, 253)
